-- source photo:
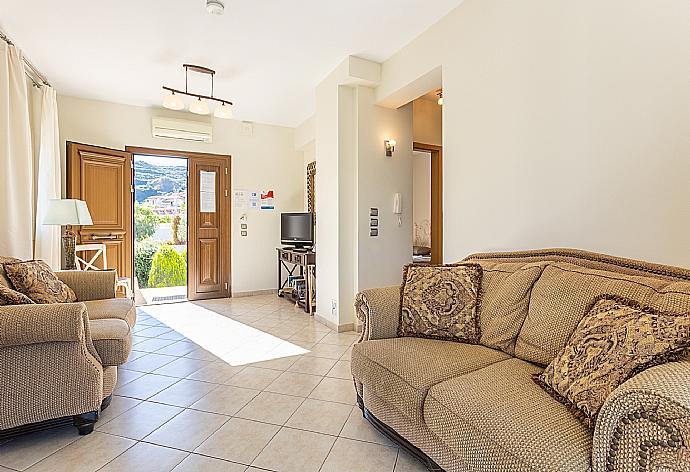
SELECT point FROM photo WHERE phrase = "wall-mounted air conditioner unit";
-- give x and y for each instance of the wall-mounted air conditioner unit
(181, 129)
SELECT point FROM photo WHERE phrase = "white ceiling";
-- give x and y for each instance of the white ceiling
(269, 54)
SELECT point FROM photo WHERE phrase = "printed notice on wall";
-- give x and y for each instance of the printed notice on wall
(207, 192)
(268, 200)
(241, 199)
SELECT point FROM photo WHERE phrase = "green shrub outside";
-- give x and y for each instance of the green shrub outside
(168, 268)
(145, 222)
(143, 257)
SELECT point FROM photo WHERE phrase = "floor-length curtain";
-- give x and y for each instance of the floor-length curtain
(47, 238)
(16, 160)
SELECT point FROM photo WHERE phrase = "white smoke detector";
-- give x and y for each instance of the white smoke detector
(215, 7)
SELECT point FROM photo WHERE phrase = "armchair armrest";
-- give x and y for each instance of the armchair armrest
(645, 423)
(33, 324)
(90, 285)
(379, 311)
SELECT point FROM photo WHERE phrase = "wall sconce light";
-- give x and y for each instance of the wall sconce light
(390, 147)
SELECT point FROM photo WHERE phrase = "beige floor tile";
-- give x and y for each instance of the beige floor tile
(293, 450)
(360, 456)
(88, 454)
(281, 363)
(216, 372)
(125, 376)
(358, 428)
(181, 367)
(145, 457)
(152, 332)
(197, 463)
(407, 463)
(238, 440)
(312, 365)
(335, 390)
(117, 406)
(184, 393)
(145, 387)
(179, 348)
(320, 416)
(253, 377)
(134, 354)
(139, 421)
(203, 355)
(342, 339)
(187, 430)
(148, 362)
(341, 370)
(293, 383)
(172, 335)
(225, 400)
(348, 355)
(24, 451)
(329, 351)
(313, 337)
(270, 408)
(153, 344)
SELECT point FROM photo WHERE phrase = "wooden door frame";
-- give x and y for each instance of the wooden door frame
(226, 219)
(436, 198)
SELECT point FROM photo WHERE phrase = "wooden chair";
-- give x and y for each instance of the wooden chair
(99, 250)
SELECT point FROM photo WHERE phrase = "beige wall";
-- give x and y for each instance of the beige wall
(427, 120)
(565, 124)
(267, 159)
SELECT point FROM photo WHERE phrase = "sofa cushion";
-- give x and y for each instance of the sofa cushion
(112, 339)
(564, 293)
(614, 341)
(4, 280)
(36, 280)
(118, 308)
(441, 302)
(401, 370)
(12, 297)
(505, 293)
(498, 419)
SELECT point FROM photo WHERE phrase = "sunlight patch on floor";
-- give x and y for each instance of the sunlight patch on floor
(232, 341)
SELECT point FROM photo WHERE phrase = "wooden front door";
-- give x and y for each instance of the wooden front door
(209, 227)
(103, 179)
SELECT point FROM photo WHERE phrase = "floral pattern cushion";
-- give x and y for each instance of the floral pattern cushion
(617, 339)
(441, 302)
(12, 297)
(37, 281)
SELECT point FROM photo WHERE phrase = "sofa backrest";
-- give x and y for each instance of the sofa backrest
(570, 282)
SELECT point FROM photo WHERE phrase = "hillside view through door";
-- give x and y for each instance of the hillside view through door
(160, 229)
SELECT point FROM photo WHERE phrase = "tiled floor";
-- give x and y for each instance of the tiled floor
(245, 384)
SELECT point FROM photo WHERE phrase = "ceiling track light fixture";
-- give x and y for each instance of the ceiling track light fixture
(439, 92)
(199, 106)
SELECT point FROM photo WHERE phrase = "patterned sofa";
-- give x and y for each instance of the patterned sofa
(60, 360)
(462, 407)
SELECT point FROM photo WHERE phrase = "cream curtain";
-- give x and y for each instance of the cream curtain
(16, 159)
(48, 186)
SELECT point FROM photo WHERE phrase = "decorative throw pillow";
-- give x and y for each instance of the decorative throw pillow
(617, 339)
(36, 280)
(441, 302)
(12, 297)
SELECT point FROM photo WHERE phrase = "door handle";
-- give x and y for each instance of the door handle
(96, 237)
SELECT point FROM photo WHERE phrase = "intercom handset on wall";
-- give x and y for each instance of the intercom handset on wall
(397, 207)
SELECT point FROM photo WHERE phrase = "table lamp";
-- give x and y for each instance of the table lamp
(68, 212)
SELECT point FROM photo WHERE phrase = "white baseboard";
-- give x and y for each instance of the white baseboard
(252, 293)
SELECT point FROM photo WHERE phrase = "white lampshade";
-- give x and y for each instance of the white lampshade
(172, 101)
(200, 107)
(223, 111)
(67, 212)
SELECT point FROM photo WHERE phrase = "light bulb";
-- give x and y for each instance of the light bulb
(223, 111)
(173, 102)
(440, 100)
(200, 107)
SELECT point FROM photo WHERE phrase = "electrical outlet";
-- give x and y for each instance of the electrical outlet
(334, 307)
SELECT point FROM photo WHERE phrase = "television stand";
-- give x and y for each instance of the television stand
(298, 249)
(291, 259)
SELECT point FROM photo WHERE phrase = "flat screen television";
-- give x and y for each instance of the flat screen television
(297, 229)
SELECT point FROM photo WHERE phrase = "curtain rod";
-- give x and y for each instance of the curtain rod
(29, 69)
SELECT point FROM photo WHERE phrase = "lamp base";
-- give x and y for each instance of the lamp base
(68, 251)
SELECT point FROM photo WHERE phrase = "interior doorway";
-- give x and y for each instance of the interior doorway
(428, 202)
(160, 228)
